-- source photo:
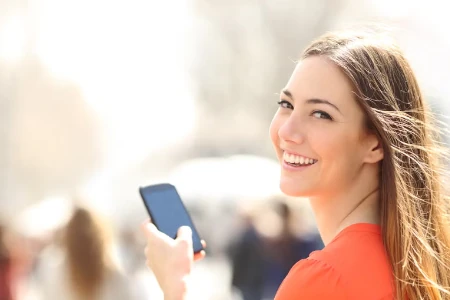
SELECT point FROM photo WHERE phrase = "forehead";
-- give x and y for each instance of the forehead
(318, 77)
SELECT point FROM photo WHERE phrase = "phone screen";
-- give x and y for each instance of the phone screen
(168, 212)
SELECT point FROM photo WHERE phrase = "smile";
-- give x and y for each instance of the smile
(298, 160)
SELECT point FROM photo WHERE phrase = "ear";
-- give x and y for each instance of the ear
(375, 152)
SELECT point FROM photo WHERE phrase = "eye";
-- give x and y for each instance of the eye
(285, 104)
(321, 115)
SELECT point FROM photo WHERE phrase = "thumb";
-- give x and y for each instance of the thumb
(185, 234)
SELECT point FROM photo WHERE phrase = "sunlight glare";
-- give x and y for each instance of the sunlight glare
(12, 39)
(128, 59)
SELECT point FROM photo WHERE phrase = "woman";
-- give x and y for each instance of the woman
(353, 135)
(83, 267)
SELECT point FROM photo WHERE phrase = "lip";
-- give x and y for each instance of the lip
(288, 167)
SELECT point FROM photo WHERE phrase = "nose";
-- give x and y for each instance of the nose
(292, 130)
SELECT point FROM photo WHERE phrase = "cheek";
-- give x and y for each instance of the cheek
(273, 130)
(338, 151)
(324, 140)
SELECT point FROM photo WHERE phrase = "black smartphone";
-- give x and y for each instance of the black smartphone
(167, 211)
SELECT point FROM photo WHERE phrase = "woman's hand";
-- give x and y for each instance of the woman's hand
(170, 260)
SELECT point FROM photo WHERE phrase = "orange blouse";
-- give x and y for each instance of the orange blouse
(354, 265)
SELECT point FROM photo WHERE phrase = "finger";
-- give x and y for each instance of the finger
(148, 220)
(184, 239)
(200, 255)
(147, 254)
(203, 243)
(149, 230)
(144, 224)
(185, 233)
(154, 235)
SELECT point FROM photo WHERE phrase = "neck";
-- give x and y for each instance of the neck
(336, 212)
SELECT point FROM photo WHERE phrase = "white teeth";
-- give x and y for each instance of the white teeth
(296, 159)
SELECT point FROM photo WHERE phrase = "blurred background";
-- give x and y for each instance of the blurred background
(100, 97)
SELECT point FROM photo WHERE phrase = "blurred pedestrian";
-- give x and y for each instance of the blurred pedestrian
(267, 249)
(82, 266)
(6, 268)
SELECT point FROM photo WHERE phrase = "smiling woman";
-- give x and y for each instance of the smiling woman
(354, 135)
(329, 132)
(376, 189)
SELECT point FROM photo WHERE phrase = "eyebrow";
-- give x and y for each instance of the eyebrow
(313, 100)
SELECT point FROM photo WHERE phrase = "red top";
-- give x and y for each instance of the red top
(354, 265)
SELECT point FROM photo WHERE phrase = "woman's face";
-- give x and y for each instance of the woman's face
(318, 131)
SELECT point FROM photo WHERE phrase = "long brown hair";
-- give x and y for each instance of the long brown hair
(87, 243)
(413, 203)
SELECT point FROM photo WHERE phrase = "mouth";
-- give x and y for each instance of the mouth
(298, 161)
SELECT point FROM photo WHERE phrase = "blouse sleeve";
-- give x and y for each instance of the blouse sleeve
(311, 279)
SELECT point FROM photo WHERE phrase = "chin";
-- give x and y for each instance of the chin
(295, 190)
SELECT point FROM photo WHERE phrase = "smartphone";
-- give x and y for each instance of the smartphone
(167, 211)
